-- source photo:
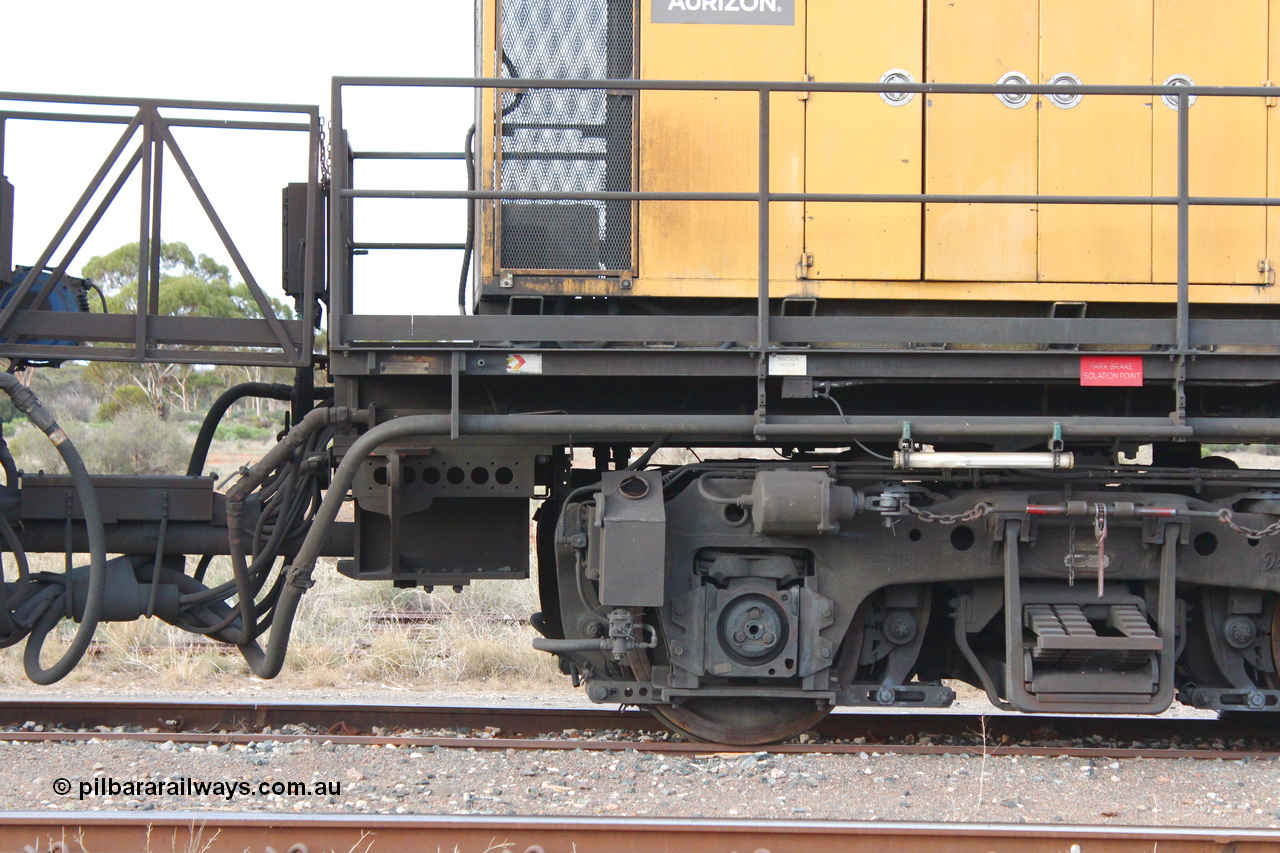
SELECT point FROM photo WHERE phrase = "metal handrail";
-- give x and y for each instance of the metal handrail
(149, 332)
(763, 196)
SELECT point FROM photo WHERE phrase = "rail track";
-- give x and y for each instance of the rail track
(106, 832)
(601, 729)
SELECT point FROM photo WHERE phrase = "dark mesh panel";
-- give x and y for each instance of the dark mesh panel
(567, 140)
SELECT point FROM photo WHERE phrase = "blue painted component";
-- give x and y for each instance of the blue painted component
(70, 294)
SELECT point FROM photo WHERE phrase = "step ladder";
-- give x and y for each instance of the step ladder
(1069, 650)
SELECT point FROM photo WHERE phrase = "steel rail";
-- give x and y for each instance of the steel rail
(1006, 734)
(656, 746)
(223, 832)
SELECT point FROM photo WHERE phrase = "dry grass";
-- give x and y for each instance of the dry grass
(479, 638)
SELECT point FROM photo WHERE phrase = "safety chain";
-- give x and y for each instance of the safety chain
(978, 511)
(324, 150)
(1224, 515)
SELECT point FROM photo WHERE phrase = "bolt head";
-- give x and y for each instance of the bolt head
(598, 692)
(677, 650)
(678, 610)
(825, 653)
(827, 613)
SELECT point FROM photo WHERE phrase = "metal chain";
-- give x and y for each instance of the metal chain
(1224, 515)
(324, 150)
(978, 511)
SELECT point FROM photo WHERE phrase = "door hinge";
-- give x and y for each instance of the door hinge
(804, 96)
(1267, 270)
(805, 264)
(1270, 101)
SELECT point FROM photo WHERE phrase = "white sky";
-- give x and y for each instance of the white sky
(265, 51)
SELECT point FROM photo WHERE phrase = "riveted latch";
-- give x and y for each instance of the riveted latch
(507, 280)
(805, 264)
(804, 96)
(1267, 270)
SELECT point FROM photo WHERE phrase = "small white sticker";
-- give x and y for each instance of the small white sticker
(788, 364)
(530, 362)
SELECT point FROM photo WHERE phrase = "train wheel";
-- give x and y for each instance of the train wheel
(1272, 679)
(742, 722)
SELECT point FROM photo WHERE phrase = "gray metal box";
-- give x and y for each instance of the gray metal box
(633, 539)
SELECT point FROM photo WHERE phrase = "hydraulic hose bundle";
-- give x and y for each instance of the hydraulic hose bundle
(272, 505)
(35, 603)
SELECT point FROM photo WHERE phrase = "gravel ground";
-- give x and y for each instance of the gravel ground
(760, 785)
(753, 785)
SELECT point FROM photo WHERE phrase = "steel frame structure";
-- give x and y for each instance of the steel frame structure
(148, 336)
(899, 347)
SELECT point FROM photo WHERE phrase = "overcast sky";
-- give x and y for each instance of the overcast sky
(244, 51)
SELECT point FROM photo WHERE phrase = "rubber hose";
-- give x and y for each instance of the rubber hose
(297, 437)
(30, 405)
(299, 572)
(200, 450)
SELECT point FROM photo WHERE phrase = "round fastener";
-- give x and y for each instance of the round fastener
(1256, 699)
(1065, 100)
(825, 653)
(599, 692)
(1171, 101)
(897, 76)
(1014, 100)
(1240, 631)
(677, 650)
(678, 610)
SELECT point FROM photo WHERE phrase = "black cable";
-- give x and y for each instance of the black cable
(468, 152)
(840, 409)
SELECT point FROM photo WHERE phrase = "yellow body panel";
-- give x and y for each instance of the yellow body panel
(1215, 43)
(977, 144)
(1273, 139)
(859, 143)
(1102, 146)
(708, 142)
(826, 142)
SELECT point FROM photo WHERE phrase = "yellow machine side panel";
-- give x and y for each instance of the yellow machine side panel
(978, 144)
(708, 142)
(857, 143)
(1101, 146)
(1214, 43)
(1273, 141)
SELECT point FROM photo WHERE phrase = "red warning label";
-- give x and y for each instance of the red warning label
(1111, 370)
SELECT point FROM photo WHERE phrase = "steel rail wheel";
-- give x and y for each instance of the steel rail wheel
(744, 721)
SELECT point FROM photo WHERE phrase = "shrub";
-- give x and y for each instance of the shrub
(133, 443)
(126, 398)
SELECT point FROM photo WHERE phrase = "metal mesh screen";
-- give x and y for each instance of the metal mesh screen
(566, 140)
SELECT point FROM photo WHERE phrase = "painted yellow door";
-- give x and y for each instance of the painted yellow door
(863, 143)
(708, 142)
(1273, 142)
(1098, 146)
(981, 143)
(1212, 43)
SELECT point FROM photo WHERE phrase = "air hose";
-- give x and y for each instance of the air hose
(29, 405)
(298, 573)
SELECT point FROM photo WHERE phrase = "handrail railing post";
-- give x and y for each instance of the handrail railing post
(762, 297)
(1184, 230)
(341, 298)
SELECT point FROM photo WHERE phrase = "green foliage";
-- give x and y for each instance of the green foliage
(190, 284)
(242, 432)
(126, 398)
(8, 411)
(134, 443)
